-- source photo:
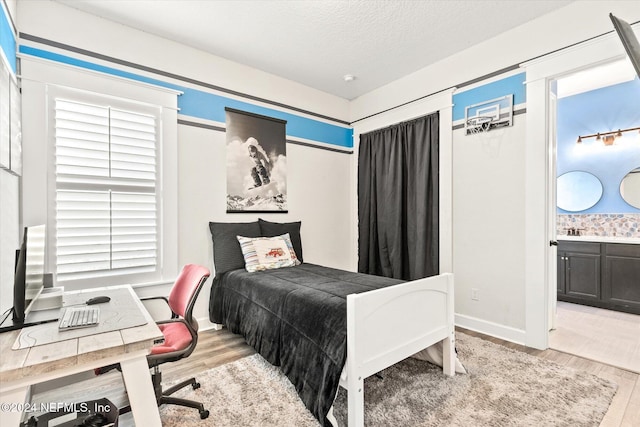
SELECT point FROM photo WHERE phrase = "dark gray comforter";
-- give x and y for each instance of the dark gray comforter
(296, 318)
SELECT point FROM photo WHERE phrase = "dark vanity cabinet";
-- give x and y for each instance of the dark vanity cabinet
(579, 270)
(603, 275)
(621, 276)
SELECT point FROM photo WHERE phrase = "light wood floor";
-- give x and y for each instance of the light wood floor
(606, 336)
(219, 347)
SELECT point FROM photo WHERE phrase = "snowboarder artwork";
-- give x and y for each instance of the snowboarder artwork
(256, 163)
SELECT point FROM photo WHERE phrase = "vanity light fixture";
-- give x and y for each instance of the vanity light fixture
(607, 138)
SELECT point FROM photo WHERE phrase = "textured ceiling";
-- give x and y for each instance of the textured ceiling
(317, 42)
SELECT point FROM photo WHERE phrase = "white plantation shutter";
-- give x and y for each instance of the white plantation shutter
(106, 202)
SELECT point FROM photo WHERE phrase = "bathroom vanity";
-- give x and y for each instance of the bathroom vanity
(600, 271)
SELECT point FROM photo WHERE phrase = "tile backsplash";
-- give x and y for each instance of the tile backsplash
(610, 225)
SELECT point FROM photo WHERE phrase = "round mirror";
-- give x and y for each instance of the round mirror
(630, 188)
(577, 191)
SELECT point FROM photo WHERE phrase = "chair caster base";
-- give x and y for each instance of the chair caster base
(196, 386)
(204, 414)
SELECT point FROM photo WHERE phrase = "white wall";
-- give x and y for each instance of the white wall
(44, 18)
(488, 243)
(498, 211)
(319, 193)
(571, 24)
(496, 185)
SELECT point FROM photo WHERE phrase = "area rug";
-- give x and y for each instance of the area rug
(503, 387)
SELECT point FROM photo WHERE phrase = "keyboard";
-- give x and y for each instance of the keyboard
(79, 317)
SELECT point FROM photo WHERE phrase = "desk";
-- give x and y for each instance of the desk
(19, 369)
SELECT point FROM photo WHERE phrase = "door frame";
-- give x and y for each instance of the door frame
(540, 211)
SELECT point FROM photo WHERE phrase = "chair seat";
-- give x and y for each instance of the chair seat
(180, 337)
(176, 337)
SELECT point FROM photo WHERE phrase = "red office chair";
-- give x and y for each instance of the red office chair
(180, 336)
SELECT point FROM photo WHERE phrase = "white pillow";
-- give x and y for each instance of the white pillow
(266, 253)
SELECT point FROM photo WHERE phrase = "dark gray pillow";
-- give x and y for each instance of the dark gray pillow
(227, 254)
(272, 229)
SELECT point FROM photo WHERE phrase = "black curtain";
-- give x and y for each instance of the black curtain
(398, 200)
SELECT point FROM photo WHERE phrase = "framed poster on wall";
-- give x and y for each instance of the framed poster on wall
(256, 163)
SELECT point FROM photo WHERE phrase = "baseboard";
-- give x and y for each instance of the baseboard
(204, 324)
(496, 330)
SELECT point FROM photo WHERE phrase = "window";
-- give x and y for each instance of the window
(106, 190)
(104, 129)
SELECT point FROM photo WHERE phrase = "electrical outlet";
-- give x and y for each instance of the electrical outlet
(474, 294)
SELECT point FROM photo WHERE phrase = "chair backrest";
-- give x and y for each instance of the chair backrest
(185, 290)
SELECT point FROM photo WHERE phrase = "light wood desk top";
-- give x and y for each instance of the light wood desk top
(21, 368)
(40, 359)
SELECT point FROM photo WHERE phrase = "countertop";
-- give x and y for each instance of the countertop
(603, 239)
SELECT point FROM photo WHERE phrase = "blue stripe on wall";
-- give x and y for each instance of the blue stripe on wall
(513, 84)
(209, 106)
(7, 40)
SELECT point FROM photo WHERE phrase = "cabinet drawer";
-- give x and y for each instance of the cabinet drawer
(582, 247)
(624, 250)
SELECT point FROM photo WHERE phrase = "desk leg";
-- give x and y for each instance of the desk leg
(12, 404)
(137, 380)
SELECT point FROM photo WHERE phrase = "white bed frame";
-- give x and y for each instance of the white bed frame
(388, 325)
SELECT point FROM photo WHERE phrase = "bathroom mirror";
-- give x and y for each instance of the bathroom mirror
(630, 188)
(578, 190)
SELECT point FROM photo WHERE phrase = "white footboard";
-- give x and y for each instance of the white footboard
(387, 325)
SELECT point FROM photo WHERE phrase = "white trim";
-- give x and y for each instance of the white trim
(445, 204)
(42, 81)
(48, 62)
(497, 330)
(540, 280)
(602, 49)
(208, 325)
(48, 72)
(443, 103)
(535, 227)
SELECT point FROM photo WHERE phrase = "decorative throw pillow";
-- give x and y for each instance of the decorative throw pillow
(267, 253)
(227, 255)
(271, 229)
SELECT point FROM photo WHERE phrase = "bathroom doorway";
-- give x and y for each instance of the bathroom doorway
(593, 121)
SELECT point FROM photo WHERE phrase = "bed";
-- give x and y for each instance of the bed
(325, 327)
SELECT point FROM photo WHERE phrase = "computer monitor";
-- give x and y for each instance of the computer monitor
(29, 276)
(629, 41)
